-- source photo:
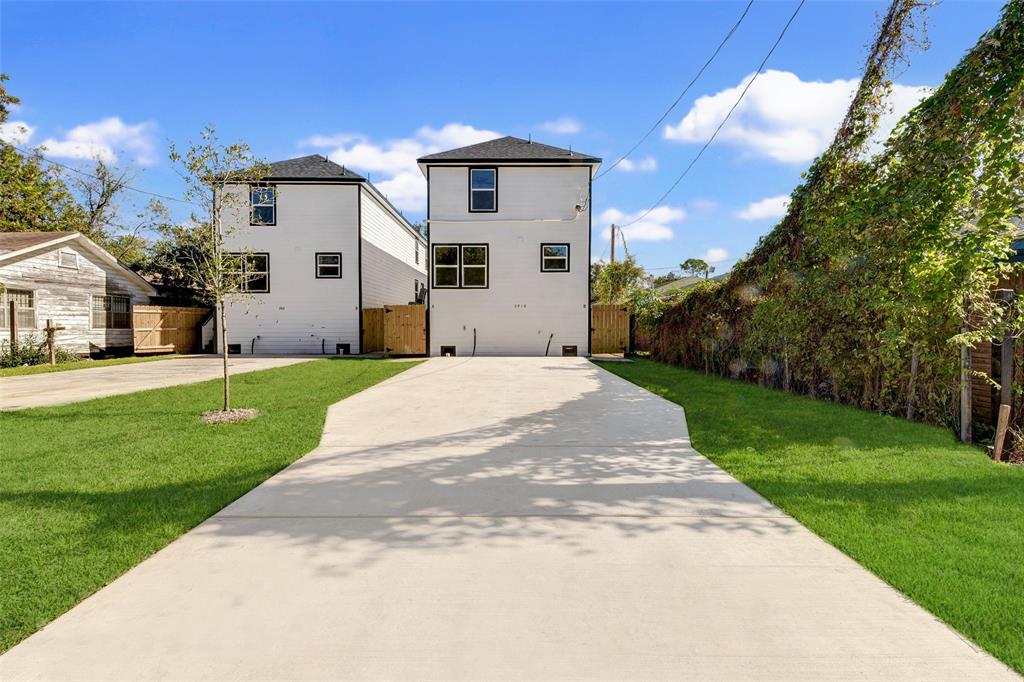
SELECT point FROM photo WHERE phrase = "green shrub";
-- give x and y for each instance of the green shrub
(32, 351)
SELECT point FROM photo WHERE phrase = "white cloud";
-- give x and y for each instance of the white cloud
(715, 255)
(648, 163)
(769, 207)
(16, 132)
(783, 117)
(654, 227)
(395, 159)
(104, 140)
(565, 125)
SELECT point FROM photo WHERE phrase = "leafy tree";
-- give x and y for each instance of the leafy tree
(614, 282)
(664, 279)
(217, 178)
(697, 267)
(32, 199)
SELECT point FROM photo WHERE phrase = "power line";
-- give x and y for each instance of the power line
(681, 95)
(724, 120)
(90, 175)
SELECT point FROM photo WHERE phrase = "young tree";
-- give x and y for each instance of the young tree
(217, 178)
(697, 267)
(615, 282)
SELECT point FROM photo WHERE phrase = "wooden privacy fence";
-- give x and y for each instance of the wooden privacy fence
(609, 326)
(395, 329)
(167, 329)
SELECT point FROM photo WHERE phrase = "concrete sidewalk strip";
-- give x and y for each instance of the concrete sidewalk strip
(505, 519)
(59, 388)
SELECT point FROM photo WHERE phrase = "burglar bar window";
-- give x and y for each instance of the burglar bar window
(111, 312)
(26, 308)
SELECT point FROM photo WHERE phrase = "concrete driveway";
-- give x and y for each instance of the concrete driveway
(57, 388)
(499, 518)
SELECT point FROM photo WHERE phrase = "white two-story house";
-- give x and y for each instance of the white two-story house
(509, 232)
(322, 243)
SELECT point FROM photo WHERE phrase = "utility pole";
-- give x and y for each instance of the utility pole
(613, 242)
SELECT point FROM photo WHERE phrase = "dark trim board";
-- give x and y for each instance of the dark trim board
(532, 163)
(359, 273)
(568, 255)
(590, 254)
(430, 268)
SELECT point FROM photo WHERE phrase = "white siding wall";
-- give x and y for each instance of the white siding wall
(523, 306)
(64, 295)
(302, 314)
(390, 271)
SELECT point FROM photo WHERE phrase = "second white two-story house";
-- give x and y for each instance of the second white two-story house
(322, 243)
(509, 233)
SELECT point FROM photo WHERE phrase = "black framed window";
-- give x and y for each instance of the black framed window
(554, 258)
(264, 205)
(446, 265)
(483, 190)
(474, 266)
(460, 266)
(328, 266)
(251, 270)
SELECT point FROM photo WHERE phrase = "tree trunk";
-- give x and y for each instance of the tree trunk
(914, 362)
(224, 354)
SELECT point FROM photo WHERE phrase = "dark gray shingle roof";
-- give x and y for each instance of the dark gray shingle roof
(312, 167)
(510, 149)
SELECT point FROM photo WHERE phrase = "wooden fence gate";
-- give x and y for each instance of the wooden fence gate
(166, 329)
(609, 326)
(395, 329)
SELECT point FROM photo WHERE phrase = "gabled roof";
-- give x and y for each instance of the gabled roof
(312, 167)
(510, 148)
(19, 244)
(15, 241)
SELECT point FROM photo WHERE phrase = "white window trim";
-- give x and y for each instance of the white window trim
(67, 252)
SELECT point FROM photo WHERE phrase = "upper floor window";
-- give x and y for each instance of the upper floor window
(251, 271)
(264, 206)
(483, 189)
(111, 312)
(554, 258)
(25, 301)
(328, 266)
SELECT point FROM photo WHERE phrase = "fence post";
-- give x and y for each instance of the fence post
(965, 395)
(13, 319)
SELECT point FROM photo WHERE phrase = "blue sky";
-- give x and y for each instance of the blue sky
(374, 85)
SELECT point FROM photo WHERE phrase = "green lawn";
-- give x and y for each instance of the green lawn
(81, 364)
(935, 519)
(90, 489)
